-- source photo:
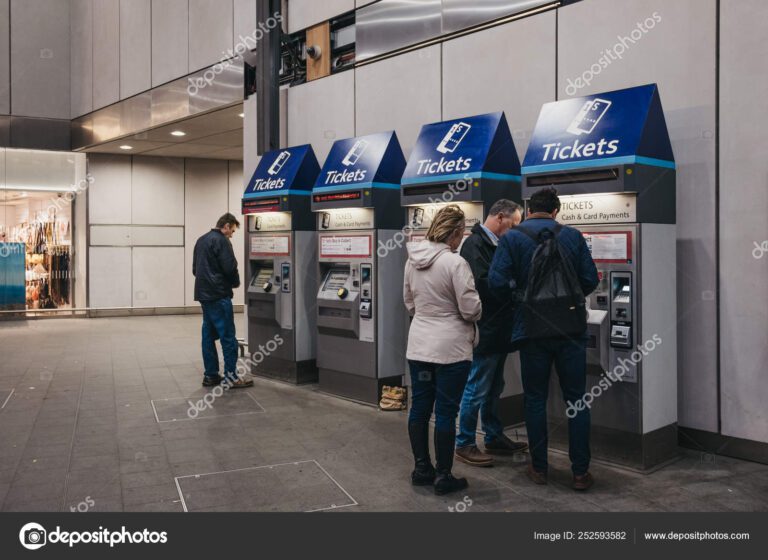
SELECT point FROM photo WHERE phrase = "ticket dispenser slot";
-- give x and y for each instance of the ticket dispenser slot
(621, 309)
(338, 301)
(262, 302)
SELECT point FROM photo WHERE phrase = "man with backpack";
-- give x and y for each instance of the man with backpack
(549, 270)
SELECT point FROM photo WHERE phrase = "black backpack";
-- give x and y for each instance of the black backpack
(553, 304)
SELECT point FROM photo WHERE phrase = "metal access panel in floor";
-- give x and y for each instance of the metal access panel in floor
(289, 487)
(204, 406)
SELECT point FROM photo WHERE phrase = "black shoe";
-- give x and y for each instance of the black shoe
(445, 447)
(211, 381)
(502, 445)
(424, 473)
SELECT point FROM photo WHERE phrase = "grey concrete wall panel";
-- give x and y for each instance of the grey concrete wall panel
(322, 112)
(244, 18)
(5, 58)
(40, 73)
(401, 94)
(391, 24)
(525, 84)
(306, 13)
(743, 219)
(210, 32)
(170, 40)
(109, 197)
(461, 14)
(674, 45)
(109, 277)
(81, 33)
(157, 191)
(135, 47)
(106, 53)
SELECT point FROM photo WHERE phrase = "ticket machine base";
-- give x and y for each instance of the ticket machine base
(363, 389)
(289, 371)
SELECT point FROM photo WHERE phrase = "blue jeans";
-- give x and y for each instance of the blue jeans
(570, 359)
(484, 387)
(437, 386)
(219, 322)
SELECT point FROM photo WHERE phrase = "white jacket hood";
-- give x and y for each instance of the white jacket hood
(423, 254)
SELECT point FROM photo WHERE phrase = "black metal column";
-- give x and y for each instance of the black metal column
(267, 76)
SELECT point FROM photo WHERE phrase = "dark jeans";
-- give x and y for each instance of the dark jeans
(438, 386)
(570, 359)
(219, 323)
(484, 387)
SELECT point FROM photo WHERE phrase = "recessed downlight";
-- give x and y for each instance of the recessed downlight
(178, 133)
(241, 115)
(126, 147)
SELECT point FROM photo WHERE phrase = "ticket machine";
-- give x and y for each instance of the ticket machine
(281, 257)
(360, 312)
(470, 162)
(610, 158)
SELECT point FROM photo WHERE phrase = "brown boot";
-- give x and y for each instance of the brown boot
(583, 482)
(471, 455)
(536, 476)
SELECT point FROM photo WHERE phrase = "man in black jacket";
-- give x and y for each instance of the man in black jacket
(486, 380)
(215, 268)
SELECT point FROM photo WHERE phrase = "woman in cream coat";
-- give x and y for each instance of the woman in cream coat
(439, 292)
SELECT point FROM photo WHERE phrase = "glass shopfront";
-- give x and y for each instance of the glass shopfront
(37, 198)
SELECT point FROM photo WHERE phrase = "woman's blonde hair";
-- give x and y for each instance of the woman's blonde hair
(445, 223)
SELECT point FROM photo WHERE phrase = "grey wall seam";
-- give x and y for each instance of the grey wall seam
(718, 325)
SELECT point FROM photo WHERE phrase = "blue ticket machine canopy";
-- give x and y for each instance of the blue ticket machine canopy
(283, 182)
(611, 142)
(472, 159)
(363, 172)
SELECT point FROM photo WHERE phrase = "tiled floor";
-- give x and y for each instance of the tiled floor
(80, 432)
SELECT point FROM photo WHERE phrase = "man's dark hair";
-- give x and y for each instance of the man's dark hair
(544, 200)
(227, 219)
(506, 207)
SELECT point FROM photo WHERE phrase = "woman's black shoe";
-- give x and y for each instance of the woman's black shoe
(447, 483)
(211, 381)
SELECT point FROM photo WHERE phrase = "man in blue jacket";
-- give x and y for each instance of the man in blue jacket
(215, 268)
(486, 379)
(508, 277)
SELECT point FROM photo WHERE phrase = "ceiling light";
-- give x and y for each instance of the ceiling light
(178, 133)
(126, 147)
(241, 115)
